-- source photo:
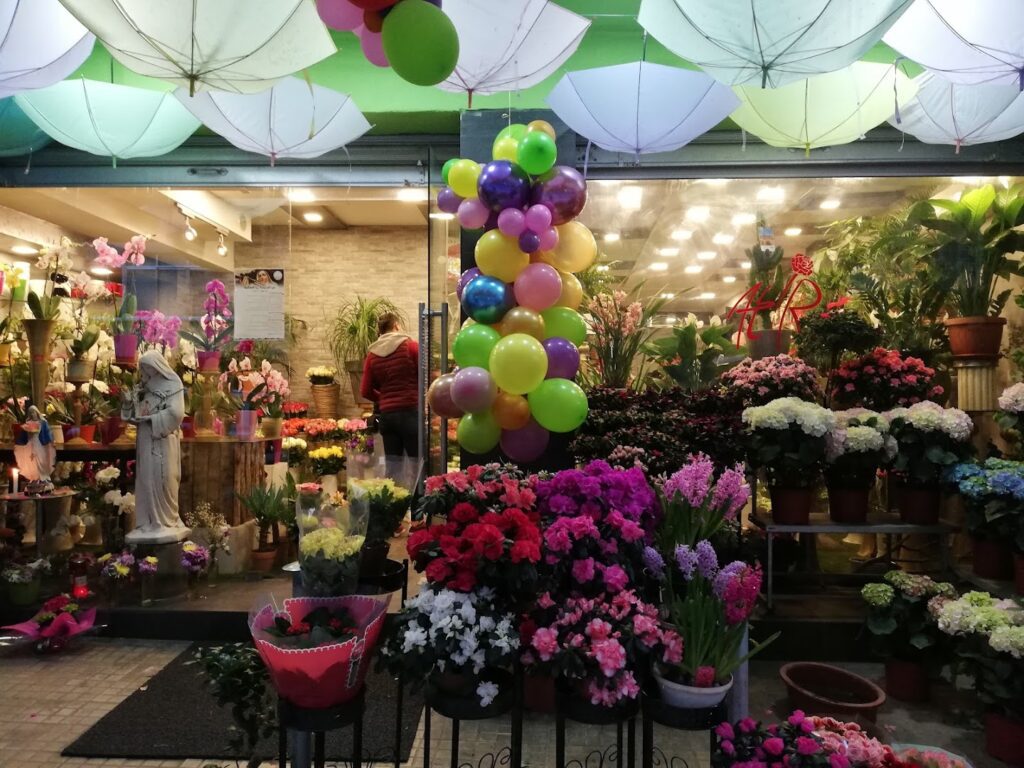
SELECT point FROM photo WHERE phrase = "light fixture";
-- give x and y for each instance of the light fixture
(706, 255)
(671, 319)
(792, 231)
(603, 267)
(743, 219)
(222, 248)
(101, 271)
(24, 250)
(658, 266)
(723, 239)
(442, 216)
(771, 194)
(698, 213)
(631, 198)
(313, 217)
(301, 195)
(612, 237)
(190, 231)
(668, 252)
(693, 269)
(682, 234)
(744, 265)
(412, 195)
(706, 295)
(829, 204)
(728, 278)
(668, 296)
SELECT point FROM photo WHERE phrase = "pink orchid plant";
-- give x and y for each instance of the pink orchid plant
(134, 253)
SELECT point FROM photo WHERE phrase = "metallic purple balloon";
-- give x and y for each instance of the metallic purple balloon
(464, 279)
(563, 358)
(564, 191)
(440, 397)
(529, 242)
(473, 390)
(526, 444)
(502, 185)
(448, 201)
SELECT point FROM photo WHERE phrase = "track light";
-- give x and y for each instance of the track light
(190, 231)
(222, 249)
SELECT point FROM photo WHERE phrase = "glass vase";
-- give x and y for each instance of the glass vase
(147, 588)
(194, 586)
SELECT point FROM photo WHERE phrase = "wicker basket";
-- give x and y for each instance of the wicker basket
(325, 399)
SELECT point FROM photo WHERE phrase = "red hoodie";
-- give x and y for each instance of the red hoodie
(390, 373)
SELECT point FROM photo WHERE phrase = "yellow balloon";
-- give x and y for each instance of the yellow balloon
(511, 411)
(541, 125)
(576, 249)
(506, 149)
(522, 320)
(572, 291)
(518, 363)
(462, 177)
(499, 256)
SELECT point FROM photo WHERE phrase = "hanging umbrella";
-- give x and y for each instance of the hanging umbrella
(292, 119)
(950, 113)
(768, 43)
(641, 107)
(509, 45)
(981, 41)
(40, 44)
(835, 108)
(18, 134)
(116, 121)
(241, 46)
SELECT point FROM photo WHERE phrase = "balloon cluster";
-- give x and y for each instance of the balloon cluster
(413, 37)
(518, 353)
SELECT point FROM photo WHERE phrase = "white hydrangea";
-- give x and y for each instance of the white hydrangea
(932, 417)
(1008, 640)
(1012, 399)
(486, 692)
(108, 475)
(786, 412)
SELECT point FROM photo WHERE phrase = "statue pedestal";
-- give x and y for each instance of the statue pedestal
(171, 579)
(164, 535)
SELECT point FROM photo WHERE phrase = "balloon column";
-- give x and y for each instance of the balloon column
(413, 37)
(518, 353)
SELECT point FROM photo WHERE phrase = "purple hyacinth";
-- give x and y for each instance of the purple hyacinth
(654, 563)
(693, 481)
(726, 575)
(686, 559)
(707, 559)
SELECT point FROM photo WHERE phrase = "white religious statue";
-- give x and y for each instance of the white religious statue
(157, 406)
(34, 451)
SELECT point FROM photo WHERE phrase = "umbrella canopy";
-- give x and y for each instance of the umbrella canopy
(18, 134)
(292, 119)
(510, 45)
(976, 42)
(116, 121)
(835, 108)
(951, 113)
(40, 44)
(641, 107)
(768, 43)
(241, 46)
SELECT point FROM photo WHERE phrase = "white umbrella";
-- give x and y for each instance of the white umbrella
(226, 45)
(116, 121)
(835, 108)
(951, 113)
(510, 45)
(768, 43)
(641, 107)
(40, 44)
(292, 119)
(981, 41)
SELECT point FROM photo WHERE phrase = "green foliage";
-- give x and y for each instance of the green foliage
(198, 338)
(43, 307)
(693, 358)
(594, 281)
(86, 341)
(267, 507)
(825, 337)
(353, 328)
(124, 318)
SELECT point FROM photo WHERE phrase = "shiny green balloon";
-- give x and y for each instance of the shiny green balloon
(478, 432)
(558, 405)
(473, 345)
(519, 363)
(447, 167)
(537, 153)
(420, 42)
(515, 131)
(564, 322)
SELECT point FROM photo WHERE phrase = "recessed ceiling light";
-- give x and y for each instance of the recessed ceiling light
(668, 252)
(671, 319)
(698, 213)
(442, 216)
(792, 231)
(771, 194)
(829, 204)
(706, 295)
(693, 269)
(658, 266)
(745, 265)
(412, 195)
(602, 267)
(631, 198)
(313, 217)
(723, 239)
(743, 219)
(728, 278)
(668, 296)
(101, 271)
(24, 250)
(301, 195)
(682, 234)
(706, 255)
(612, 237)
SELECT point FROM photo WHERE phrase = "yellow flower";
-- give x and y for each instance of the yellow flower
(327, 452)
(121, 570)
(188, 546)
(332, 543)
(151, 560)
(103, 558)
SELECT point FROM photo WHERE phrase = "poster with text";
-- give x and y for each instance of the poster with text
(259, 304)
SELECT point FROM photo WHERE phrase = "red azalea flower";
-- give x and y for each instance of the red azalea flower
(418, 540)
(487, 540)
(56, 604)
(525, 550)
(464, 581)
(464, 513)
(437, 571)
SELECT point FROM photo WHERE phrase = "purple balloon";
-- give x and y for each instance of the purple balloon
(526, 444)
(512, 222)
(372, 44)
(549, 239)
(563, 358)
(529, 242)
(538, 218)
(473, 390)
(472, 213)
(440, 397)
(503, 185)
(563, 191)
(464, 279)
(448, 201)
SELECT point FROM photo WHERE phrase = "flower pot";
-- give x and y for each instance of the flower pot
(689, 696)
(992, 559)
(821, 689)
(24, 594)
(848, 505)
(1018, 573)
(975, 336)
(87, 432)
(325, 399)
(263, 559)
(271, 427)
(906, 680)
(57, 430)
(455, 683)
(188, 427)
(769, 343)
(1004, 738)
(329, 483)
(40, 336)
(919, 505)
(209, 361)
(194, 586)
(791, 506)
(80, 370)
(126, 349)
(539, 694)
(374, 557)
(245, 424)
(111, 429)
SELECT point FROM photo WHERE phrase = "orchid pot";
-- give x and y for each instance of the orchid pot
(245, 426)
(126, 349)
(689, 696)
(80, 370)
(209, 360)
(271, 426)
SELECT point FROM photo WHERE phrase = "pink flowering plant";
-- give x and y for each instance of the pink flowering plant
(108, 257)
(214, 328)
(696, 503)
(601, 643)
(846, 744)
(620, 329)
(751, 744)
(487, 487)
(883, 379)
(756, 382)
(158, 329)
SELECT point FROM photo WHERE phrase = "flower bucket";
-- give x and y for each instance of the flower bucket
(271, 427)
(126, 349)
(327, 675)
(209, 361)
(919, 505)
(245, 425)
(1004, 738)
(325, 399)
(976, 337)
(906, 680)
(24, 594)
(992, 559)
(329, 483)
(40, 336)
(1018, 573)
(848, 505)
(689, 696)
(791, 506)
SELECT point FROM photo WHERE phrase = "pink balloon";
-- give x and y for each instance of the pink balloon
(526, 444)
(473, 390)
(548, 239)
(538, 287)
(538, 218)
(373, 47)
(340, 14)
(512, 222)
(472, 213)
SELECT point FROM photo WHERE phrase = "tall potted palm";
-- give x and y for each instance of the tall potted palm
(353, 329)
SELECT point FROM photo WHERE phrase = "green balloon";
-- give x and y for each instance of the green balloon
(516, 131)
(447, 167)
(558, 405)
(473, 345)
(478, 432)
(537, 153)
(564, 322)
(420, 42)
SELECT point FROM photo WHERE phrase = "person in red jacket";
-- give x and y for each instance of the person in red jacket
(390, 381)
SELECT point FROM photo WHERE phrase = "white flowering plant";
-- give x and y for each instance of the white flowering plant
(787, 438)
(898, 619)
(444, 633)
(1010, 416)
(929, 440)
(857, 447)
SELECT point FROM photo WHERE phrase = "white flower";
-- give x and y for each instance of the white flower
(1012, 399)
(107, 475)
(787, 412)
(932, 417)
(486, 692)
(1008, 640)
(415, 637)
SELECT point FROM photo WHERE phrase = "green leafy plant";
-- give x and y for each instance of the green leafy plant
(43, 307)
(85, 341)
(266, 506)
(824, 337)
(898, 619)
(124, 315)
(621, 329)
(766, 269)
(353, 328)
(693, 358)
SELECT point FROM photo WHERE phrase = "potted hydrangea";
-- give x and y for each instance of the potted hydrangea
(856, 448)
(757, 382)
(1010, 417)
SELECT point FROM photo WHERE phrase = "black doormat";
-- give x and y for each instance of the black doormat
(174, 717)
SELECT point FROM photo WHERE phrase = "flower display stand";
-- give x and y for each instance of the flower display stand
(975, 384)
(318, 722)
(657, 711)
(571, 706)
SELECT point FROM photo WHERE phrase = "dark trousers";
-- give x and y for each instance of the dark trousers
(400, 432)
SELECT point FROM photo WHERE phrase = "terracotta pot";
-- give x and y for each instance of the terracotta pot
(975, 336)
(126, 349)
(1004, 738)
(821, 689)
(769, 343)
(919, 505)
(791, 506)
(263, 559)
(245, 424)
(848, 505)
(539, 694)
(209, 362)
(87, 432)
(906, 680)
(325, 399)
(1018, 573)
(40, 336)
(271, 427)
(993, 559)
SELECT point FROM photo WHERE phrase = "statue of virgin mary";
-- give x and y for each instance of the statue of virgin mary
(157, 406)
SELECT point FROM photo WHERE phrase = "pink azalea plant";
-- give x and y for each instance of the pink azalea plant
(884, 379)
(756, 382)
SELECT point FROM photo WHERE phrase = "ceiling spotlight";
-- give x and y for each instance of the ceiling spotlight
(723, 239)
(693, 269)
(612, 237)
(222, 248)
(668, 252)
(631, 198)
(659, 266)
(301, 195)
(682, 234)
(312, 217)
(829, 204)
(771, 194)
(706, 295)
(744, 265)
(698, 213)
(412, 195)
(190, 231)
(706, 255)
(728, 278)
(101, 271)
(792, 231)
(668, 296)
(24, 250)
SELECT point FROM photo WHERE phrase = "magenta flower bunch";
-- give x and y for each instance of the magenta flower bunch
(590, 555)
(217, 309)
(696, 503)
(157, 328)
(792, 744)
(756, 382)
